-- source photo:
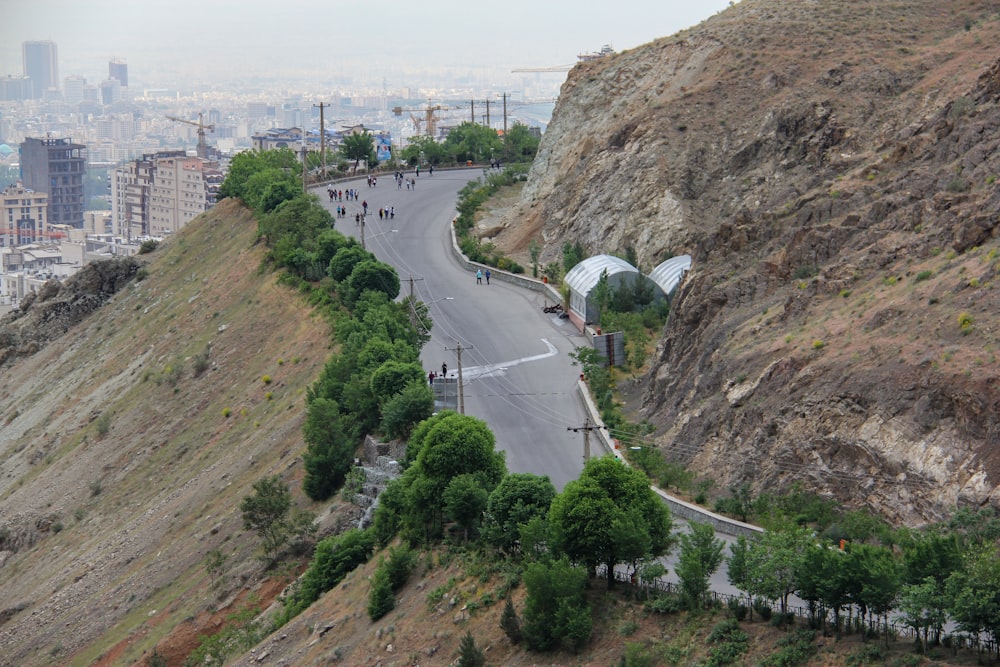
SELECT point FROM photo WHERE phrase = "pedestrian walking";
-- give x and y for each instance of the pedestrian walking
(430, 170)
(479, 277)
(392, 212)
(488, 276)
(444, 369)
(430, 378)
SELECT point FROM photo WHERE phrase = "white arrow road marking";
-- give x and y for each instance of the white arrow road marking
(493, 370)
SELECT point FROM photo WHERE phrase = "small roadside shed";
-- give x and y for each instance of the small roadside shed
(669, 273)
(583, 278)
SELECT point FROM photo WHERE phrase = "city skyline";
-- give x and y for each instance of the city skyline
(342, 43)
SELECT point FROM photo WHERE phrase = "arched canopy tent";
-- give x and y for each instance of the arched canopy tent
(669, 273)
(583, 278)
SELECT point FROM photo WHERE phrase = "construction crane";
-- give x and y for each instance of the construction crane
(429, 120)
(202, 144)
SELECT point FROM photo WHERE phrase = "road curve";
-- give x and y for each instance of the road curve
(517, 373)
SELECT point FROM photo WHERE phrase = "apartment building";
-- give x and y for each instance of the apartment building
(56, 167)
(161, 192)
(24, 216)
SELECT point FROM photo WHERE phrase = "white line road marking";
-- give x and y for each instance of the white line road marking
(491, 370)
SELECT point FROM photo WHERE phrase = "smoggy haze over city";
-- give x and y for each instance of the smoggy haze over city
(341, 43)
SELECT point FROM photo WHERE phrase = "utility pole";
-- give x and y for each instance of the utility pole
(304, 158)
(506, 158)
(472, 104)
(322, 137)
(411, 286)
(487, 112)
(586, 428)
(363, 232)
(461, 390)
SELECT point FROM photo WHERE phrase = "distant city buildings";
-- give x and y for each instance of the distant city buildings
(41, 66)
(56, 167)
(24, 216)
(161, 192)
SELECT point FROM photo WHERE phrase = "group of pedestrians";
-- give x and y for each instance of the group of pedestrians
(338, 195)
(387, 213)
(480, 275)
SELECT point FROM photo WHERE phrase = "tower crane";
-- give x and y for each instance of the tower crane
(429, 120)
(202, 144)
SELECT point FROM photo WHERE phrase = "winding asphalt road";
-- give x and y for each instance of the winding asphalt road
(517, 373)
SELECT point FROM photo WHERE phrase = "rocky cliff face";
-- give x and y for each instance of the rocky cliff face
(47, 314)
(831, 168)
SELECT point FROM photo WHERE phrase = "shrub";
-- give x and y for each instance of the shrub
(381, 599)
(149, 245)
(965, 323)
(923, 275)
(666, 604)
(266, 379)
(510, 623)
(103, 424)
(818, 345)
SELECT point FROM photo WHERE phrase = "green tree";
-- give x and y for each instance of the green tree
(407, 409)
(423, 150)
(464, 502)
(572, 254)
(821, 580)
(518, 499)
(392, 376)
(974, 592)
(372, 275)
(520, 143)
(244, 165)
(700, 556)
(609, 516)
(335, 557)
(923, 608)
(345, 259)
(266, 513)
(875, 578)
(470, 655)
(470, 141)
(402, 559)
(381, 599)
(510, 623)
(446, 445)
(555, 611)
(329, 449)
(766, 566)
(357, 147)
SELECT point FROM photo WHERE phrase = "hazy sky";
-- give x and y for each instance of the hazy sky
(392, 40)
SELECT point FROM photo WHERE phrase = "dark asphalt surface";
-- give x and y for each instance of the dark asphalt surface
(517, 373)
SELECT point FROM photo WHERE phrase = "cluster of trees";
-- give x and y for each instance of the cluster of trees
(471, 141)
(375, 383)
(924, 577)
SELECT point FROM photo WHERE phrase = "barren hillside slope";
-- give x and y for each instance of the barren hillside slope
(120, 470)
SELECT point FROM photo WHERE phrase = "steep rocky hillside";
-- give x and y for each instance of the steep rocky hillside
(831, 167)
(120, 469)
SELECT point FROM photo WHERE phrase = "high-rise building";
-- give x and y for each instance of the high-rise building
(24, 216)
(111, 91)
(41, 65)
(73, 87)
(15, 88)
(162, 192)
(56, 167)
(118, 70)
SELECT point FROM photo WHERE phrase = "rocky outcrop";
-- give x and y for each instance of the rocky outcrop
(47, 314)
(834, 183)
